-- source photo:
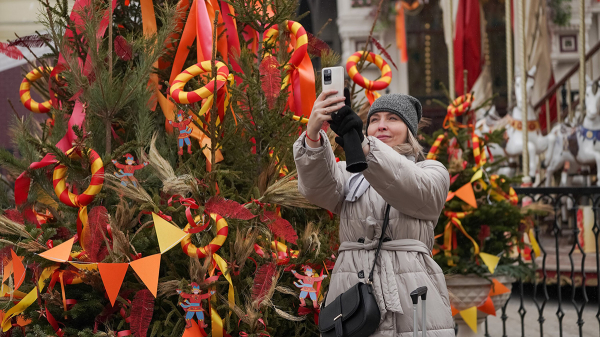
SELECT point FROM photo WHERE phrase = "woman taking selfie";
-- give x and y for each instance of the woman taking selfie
(397, 175)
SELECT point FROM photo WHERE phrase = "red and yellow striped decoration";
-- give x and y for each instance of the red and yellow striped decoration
(434, 148)
(25, 91)
(207, 91)
(82, 200)
(499, 194)
(458, 107)
(213, 246)
(370, 86)
(480, 158)
(300, 49)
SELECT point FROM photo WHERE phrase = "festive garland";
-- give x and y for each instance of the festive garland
(370, 86)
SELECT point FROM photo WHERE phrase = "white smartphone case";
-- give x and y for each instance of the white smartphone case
(333, 79)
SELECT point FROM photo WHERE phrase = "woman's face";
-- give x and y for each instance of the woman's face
(388, 127)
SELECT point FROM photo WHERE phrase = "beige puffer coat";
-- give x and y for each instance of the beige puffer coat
(417, 193)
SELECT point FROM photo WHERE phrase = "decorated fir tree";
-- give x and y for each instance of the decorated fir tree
(168, 150)
(482, 229)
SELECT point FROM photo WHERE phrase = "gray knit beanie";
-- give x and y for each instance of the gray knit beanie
(406, 107)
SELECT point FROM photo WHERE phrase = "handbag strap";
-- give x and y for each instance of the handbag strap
(386, 221)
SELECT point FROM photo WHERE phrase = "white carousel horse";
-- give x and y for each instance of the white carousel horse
(536, 143)
(577, 145)
(487, 123)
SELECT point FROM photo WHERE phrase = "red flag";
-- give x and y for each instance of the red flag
(467, 44)
(552, 106)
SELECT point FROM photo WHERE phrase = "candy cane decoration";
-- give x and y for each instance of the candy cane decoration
(25, 92)
(213, 246)
(370, 86)
(79, 200)
(434, 148)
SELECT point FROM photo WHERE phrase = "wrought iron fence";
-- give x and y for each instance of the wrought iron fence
(566, 272)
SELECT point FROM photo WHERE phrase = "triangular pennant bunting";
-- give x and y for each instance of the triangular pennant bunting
(193, 331)
(147, 269)
(454, 310)
(450, 196)
(18, 269)
(59, 253)
(8, 269)
(168, 235)
(498, 288)
(470, 317)
(488, 307)
(491, 261)
(112, 275)
(477, 176)
(467, 195)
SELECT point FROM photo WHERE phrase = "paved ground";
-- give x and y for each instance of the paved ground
(591, 327)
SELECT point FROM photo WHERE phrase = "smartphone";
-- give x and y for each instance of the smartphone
(333, 79)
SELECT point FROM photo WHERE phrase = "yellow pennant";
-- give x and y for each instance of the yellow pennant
(470, 317)
(477, 175)
(491, 261)
(168, 234)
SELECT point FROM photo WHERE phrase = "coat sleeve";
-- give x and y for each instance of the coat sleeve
(415, 189)
(320, 179)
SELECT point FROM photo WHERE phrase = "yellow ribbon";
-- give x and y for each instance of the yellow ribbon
(28, 299)
(454, 219)
(223, 266)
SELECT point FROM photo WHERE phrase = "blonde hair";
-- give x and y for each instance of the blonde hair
(411, 148)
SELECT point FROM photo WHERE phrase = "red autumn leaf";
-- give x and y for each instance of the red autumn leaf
(279, 226)
(263, 281)
(31, 41)
(15, 216)
(271, 82)
(227, 208)
(383, 51)
(142, 309)
(10, 51)
(94, 240)
(123, 49)
(316, 46)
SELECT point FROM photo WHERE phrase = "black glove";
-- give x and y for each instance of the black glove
(345, 120)
(348, 126)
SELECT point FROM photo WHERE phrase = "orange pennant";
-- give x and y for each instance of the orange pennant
(8, 269)
(488, 307)
(498, 288)
(112, 275)
(193, 331)
(467, 195)
(450, 196)
(18, 269)
(59, 253)
(454, 310)
(147, 269)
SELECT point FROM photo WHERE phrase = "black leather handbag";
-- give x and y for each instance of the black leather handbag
(355, 312)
